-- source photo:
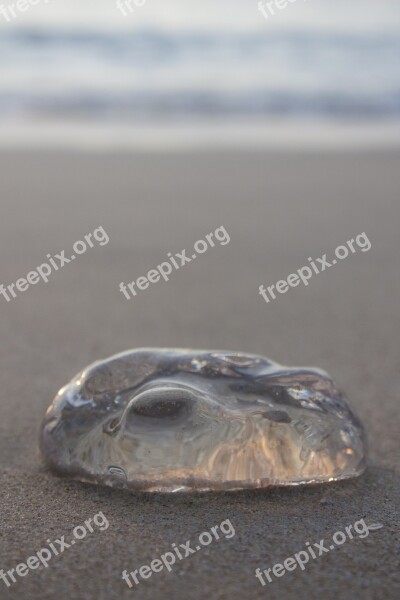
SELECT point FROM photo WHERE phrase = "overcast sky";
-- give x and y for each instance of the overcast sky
(342, 15)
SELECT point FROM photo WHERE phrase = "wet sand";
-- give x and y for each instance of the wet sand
(279, 209)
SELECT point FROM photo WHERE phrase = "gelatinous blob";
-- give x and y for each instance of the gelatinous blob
(169, 419)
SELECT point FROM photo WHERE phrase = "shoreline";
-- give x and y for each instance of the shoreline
(290, 136)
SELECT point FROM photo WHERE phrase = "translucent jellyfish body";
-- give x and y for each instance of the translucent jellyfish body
(170, 420)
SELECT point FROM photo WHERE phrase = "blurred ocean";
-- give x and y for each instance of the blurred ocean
(177, 60)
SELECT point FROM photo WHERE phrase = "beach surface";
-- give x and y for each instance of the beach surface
(279, 209)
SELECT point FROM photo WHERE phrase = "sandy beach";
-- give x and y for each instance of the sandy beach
(279, 209)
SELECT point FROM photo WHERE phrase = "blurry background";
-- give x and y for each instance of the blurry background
(189, 72)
